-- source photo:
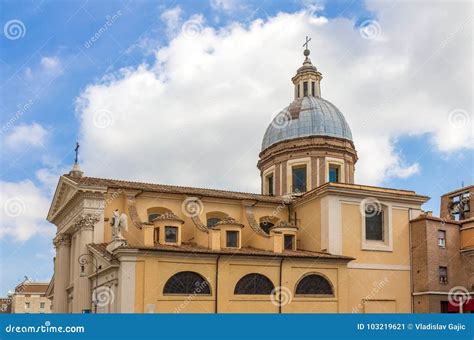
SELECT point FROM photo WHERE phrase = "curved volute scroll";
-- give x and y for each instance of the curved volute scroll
(253, 222)
(132, 211)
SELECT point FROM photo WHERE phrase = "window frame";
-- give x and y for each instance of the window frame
(289, 173)
(374, 245)
(169, 282)
(337, 170)
(296, 168)
(306, 276)
(370, 218)
(443, 279)
(237, 238)
(335, 162)
(176, 234)
(246, 279)
(156, 236)
(442, 240)
(293, 241)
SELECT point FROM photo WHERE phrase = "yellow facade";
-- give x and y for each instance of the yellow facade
(307, 244)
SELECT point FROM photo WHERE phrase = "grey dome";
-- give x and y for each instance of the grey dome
(304, 117)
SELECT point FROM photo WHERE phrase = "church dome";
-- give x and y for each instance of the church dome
(305, 117)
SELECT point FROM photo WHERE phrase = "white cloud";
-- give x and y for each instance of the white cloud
(198, 115)
(26, 135)
(172, 18)
(23, 211)
(225, 5)
(50, 63)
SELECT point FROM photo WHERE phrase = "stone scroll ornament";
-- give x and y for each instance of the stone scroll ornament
(118, 222)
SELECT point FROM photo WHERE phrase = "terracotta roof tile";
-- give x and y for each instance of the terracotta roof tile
(190, 248)
(172, 189)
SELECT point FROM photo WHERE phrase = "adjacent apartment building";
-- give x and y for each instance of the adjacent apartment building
(443, 256)
(28, 297)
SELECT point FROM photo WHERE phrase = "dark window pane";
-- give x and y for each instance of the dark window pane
(254, 284)
(270, 184)
(443, 274)
(333, 174)
(157, 236)
(299, 179)
(314, 285)
(266, 225)
(187, 283)
(374, 225)
(171, 234)
(151, 217)
(232, 239)
(212, 221)
(312, 89)
(289, 241)
(305, 88)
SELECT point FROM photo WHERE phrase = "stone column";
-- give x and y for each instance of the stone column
(82, 285)
(62, 243)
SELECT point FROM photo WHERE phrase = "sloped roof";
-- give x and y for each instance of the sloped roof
(172, 189)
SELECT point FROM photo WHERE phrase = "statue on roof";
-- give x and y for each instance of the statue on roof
(118, 222)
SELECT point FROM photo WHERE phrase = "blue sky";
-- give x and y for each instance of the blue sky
(53, 74)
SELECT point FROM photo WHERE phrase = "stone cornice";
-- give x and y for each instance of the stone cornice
(81, 201)
(361, 191)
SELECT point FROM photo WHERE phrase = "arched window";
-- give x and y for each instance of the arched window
(212, 221)
(266, 225)
(267, 222)
(155, 212)
(254, 284)
(314, 284)
(187, 283)
(213, 217)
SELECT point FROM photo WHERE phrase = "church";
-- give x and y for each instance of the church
(312, 241)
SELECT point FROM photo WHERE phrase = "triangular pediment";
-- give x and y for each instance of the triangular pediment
(65, 190)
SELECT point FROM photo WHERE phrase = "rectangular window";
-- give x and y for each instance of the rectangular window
(442, 238)
(305, 88)
(299, 178)
(334, 174)
(312, 89)
(27, 305)
(171, 234)
(298, 88)
(374, 225)
(156, 236)
(232, 239)
(443, 275)
(289, 242)
(41, 305)
(270, 185)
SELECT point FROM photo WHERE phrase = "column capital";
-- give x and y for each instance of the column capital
(62, 239)
(86, 222)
